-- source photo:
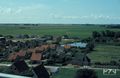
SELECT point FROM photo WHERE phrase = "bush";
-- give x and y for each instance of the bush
(86, 73)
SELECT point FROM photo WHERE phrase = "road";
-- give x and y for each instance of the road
(67, 67)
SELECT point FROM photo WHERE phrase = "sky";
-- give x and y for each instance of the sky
(60, 11)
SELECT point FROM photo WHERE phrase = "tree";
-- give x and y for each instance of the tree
(90, 46)
(95, 34)
(117, 34)
(86, 73)
(26, 36)
(9, 37)
(103, 33)
(65, 37)
(113, 63)
(1, 35)
(110, 33)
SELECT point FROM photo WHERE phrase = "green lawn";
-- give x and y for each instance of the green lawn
(70, 73)
(65, 73)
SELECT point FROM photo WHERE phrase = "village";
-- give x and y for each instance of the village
(46, 50)
(27, 55)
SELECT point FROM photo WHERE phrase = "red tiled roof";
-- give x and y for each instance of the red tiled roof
(31, 50)
(36, 56)
(52, 46)
(14, 55)
(21, 53)
(40, 49)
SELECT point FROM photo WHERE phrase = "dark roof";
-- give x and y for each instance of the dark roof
(81, 59)
(21, 65)
(86, 58)
(41, 72)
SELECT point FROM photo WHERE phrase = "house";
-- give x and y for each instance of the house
(81, 59)
(52, 46)
(13, 56)
(2, 40)
(60, 50)
(42, 40)
(30, 50)
(19, 67)
(2, 43)
(57, 39)
(67, 46)
(36, 56)
(45, 47)
(48, 37)
(40, 49)
(21, 53)
(65, 37)
(3, 54)
(40, 72)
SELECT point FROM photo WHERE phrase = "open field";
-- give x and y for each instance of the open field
(81, 31)
(70, 73)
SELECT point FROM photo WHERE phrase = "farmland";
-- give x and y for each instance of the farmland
(80, 31)
(105, 53)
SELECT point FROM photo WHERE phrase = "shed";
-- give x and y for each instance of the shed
(19, 67)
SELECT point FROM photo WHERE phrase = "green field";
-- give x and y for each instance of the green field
(105, 53)
(81, 31)
(70, 73)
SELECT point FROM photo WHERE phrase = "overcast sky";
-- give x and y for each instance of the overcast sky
(60, 11)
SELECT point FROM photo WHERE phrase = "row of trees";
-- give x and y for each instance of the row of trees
(111, 63)
(107, 33)
(20, 36)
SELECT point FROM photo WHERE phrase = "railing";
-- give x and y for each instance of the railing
(2, 75)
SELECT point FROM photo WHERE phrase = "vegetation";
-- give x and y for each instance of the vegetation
(86, 73)
(70, 73)
(105, 53)
(71, 30)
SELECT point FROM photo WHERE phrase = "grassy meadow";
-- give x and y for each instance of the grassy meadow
(70, 73)
(105, 53)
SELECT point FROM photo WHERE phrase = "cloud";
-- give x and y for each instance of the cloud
(18, 11)
(92, 16)
(33, 10)
(9, 11)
